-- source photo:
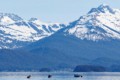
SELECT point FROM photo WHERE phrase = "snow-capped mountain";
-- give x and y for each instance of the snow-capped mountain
(93, 39)
(100, 23)
(16, 32)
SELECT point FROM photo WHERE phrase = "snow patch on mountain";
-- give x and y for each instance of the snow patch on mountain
(46, 28)
(6, 20)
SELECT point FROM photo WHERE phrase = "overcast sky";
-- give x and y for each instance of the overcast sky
(62, 11)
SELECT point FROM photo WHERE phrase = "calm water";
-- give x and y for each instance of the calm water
(58, 76)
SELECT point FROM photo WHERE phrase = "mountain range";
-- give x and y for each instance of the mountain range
(93, 39)
(16, 32)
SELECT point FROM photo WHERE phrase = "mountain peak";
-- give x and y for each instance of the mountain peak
(33, 19)
(11, 15)
(104, 5)
(37, 21)
(103, 8)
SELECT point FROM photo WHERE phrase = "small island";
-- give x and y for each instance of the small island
(89, 68)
